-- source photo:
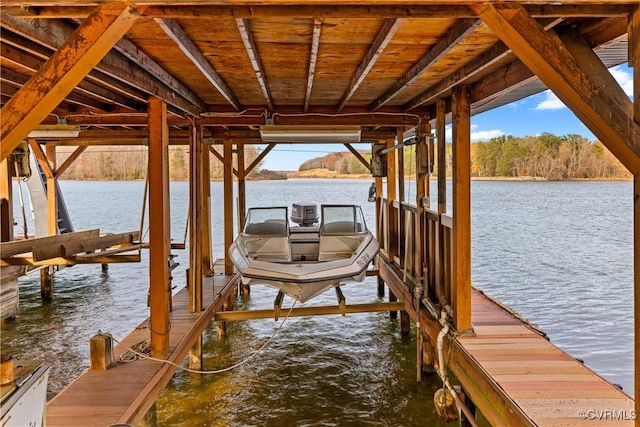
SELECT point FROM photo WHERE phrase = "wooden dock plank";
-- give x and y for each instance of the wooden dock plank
(124, 393)
(547, 384)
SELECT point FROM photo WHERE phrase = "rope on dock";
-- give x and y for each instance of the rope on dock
(143, 349)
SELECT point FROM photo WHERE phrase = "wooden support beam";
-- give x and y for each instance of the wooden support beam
(72, 158)
(7, 169)
(15, 247)
(232, 316)
(47, 168)
(575, 76)
(80, 259)
(177, 34)
(52, 194)
(258, 159)
(242, 191)
(441, 138)
(461, 292)
(634, 61)
(358, 156)
(66, 247)
(254, 57)
(313, 60)
(62, 72)
(228, 204)
(159, 228)
(207, 246)
(195, 221)
(386, 33)
(392, 219)
(460, 30)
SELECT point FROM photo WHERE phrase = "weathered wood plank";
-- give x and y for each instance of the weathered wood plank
(8, 249)
(74, 246)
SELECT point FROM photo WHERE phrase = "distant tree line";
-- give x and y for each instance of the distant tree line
(545, 156)
(130, 163)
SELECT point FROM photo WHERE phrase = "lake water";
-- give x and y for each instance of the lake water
(559, 253)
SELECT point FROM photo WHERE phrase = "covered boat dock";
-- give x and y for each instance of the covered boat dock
(219, 75)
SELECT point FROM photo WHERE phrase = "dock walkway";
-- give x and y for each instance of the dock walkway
(515, 375)
(550, 387)
(124, 393)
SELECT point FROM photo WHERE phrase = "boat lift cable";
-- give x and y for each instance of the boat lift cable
(139, 351)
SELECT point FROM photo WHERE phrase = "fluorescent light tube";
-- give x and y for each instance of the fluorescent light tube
(55, 131)
(304, 133)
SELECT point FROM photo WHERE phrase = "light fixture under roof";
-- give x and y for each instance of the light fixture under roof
(306, 133)
(60, 130)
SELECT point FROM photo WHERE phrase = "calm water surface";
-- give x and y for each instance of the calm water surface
(560, 254)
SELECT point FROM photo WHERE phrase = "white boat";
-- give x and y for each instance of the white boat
(23, 399)
(306, 260)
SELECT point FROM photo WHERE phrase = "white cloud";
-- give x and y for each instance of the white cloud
(550, 102)
(485, 135)
(482, 135)
(624, 78)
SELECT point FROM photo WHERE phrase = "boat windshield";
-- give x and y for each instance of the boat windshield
(342, 219)
(267, 221)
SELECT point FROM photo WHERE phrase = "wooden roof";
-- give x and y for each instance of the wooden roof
(238, 63)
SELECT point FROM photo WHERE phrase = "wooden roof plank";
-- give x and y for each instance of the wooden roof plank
(574, 73)
(386, 33)
(254, 57)
(178, 35)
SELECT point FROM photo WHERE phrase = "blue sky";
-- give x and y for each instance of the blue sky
(534, 115)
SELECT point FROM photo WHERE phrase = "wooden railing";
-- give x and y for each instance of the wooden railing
(419, 243)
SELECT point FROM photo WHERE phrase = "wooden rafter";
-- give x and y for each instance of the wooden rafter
(62, 72)
(496, 53)
(86, 92)
(177, 34)
(386, 33)
(131, 51)
(313, 59)
(459, 31)
(12, 82)
(575, 74)
(254, 57)
(115, 70)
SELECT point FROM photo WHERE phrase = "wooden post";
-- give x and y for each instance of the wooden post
(159, 231)
(6, 197)
(195, 221)
(228, 203)
(405, 323)
(245, 290)
(634, 61)
(442, 198)
(52, 199)
(221, 325)
(461, 292)
(195, 355)
(207, 252)
(392, 219)
(242, 196)
(422, 194)
(101, 353)
(401, 198)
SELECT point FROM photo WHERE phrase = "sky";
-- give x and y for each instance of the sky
(533, 115)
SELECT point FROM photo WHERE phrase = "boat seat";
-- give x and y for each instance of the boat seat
(338, 227)
(338, 247)
(267, 228)
(269, 248)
